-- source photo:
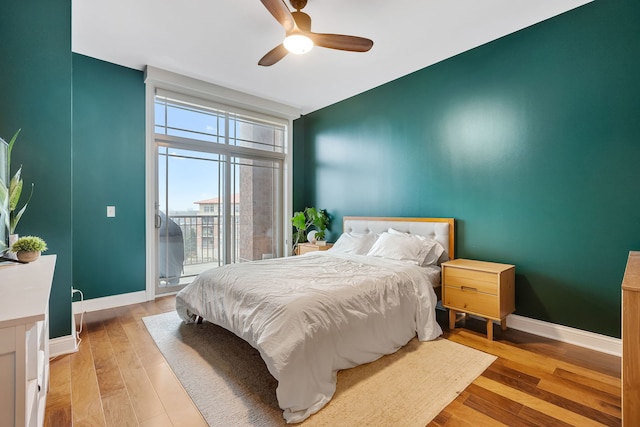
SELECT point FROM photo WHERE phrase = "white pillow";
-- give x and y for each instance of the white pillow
(354, 243)
(433, 249)
(434, 254)
(399, 247)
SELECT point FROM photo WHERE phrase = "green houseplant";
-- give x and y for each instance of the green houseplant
(15, 191)
(28, 248)
(4, 195)
(309, 218)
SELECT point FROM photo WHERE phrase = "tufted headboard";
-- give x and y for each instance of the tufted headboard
(441, 230)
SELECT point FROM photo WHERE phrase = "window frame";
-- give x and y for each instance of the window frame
(195, 103)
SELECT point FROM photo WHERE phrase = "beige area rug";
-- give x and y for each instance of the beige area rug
(230, 384)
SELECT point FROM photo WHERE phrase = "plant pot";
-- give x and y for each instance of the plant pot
(28, 256)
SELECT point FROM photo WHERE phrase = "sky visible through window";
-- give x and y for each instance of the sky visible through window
(194, 176)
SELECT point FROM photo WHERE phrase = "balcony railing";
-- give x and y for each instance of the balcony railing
(199, 246)
(200, 238)
(201, 235)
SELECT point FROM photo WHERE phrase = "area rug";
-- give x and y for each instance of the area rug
(231, 386)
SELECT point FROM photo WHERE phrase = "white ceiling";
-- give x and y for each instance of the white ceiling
(221, 41)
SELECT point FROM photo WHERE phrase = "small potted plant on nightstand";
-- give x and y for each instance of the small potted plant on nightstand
(28, 248)
(310, 217)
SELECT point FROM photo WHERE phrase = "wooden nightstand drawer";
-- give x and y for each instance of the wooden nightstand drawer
(479, 280)
(472, 301)
(304, 248)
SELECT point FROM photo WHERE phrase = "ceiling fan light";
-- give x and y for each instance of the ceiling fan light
(298, 44)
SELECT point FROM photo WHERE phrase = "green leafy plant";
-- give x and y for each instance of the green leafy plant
(29, 244)
(15, 191)
(304, 220)
(4, 194)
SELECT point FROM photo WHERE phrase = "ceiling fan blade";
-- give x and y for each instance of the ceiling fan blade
(281, 12)
(273, 56)
(341, 42)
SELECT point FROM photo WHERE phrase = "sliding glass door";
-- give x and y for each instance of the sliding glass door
(219, 191)
(188, 215)
(255, 214)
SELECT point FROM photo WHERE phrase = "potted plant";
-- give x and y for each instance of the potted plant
(28, 248)
(317, 219)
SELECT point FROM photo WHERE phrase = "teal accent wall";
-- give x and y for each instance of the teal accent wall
(108, 170)
(82, 145)
(532, 142)
(35, 95)
(302, 194)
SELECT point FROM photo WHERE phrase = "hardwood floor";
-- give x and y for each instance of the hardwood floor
(119, 378)
(535, 382)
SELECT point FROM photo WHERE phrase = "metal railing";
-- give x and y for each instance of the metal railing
(201, 237)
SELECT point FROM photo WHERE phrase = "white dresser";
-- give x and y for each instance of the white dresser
(24, 341)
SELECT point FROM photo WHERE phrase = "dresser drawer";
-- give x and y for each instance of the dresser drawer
(483, 281)
(472, 301)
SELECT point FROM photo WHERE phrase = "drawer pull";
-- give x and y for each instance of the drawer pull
(469, 288)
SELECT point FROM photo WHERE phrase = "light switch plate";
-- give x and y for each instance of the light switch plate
(111, 211)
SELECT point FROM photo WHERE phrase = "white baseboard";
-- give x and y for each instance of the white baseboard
(62, 345)
(591, 340)
(68, 344)
(65, 344)
(109, 302)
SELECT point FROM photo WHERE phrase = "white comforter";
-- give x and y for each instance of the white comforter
(312, 315)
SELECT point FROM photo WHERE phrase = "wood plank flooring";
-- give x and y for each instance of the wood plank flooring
(119, 378)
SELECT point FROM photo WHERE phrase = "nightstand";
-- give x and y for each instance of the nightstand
(486, 289)
(303, 248)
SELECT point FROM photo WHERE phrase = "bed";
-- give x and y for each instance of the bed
(312, 315)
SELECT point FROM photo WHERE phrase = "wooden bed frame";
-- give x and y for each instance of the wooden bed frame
(442, 229)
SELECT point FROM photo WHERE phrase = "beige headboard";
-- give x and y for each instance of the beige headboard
(441, 230)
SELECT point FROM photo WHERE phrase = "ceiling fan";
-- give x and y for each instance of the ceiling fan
(299, 38)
